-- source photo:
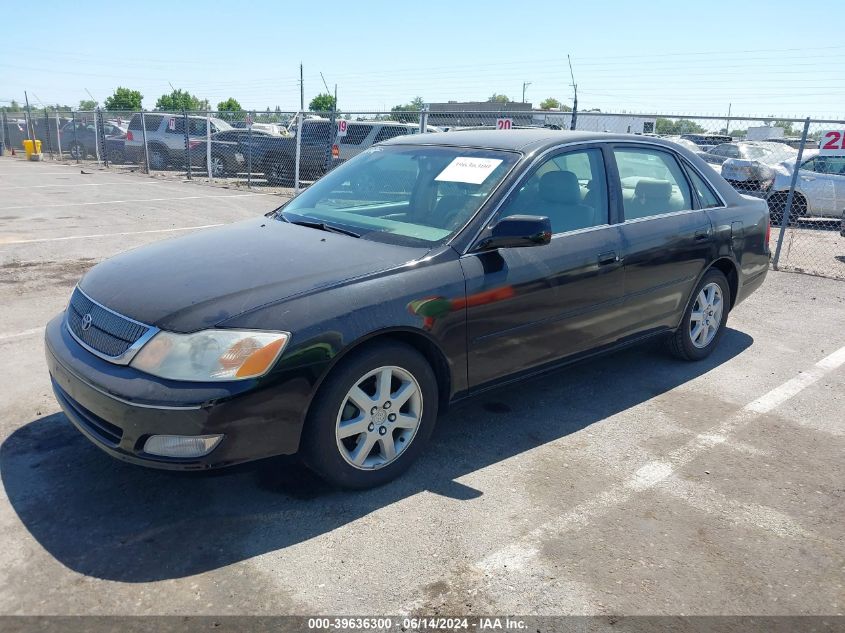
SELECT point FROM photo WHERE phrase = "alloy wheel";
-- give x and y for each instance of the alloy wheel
(379, 418)
(706, 316)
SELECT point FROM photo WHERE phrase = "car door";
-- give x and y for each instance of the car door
(817, 183)
(666, 241)
(535, 305)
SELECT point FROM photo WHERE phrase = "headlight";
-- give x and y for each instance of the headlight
(211, 355)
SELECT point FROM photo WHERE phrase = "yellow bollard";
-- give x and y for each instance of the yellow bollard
(32, 153)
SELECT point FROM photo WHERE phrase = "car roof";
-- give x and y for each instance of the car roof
(522, 140)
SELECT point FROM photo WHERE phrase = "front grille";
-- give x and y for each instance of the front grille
(109, 333)
(107, 432)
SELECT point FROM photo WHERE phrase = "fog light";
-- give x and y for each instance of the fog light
(181, 445)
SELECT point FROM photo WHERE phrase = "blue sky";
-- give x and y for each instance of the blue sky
(771, 57)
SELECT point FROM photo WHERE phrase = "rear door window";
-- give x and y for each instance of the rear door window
(652, 181)
(355, 134)
(705, 193)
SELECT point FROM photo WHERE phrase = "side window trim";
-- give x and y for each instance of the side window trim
(688, 167)
(694, 203)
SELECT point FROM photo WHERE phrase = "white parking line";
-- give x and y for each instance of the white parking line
(652, 474)
(85, 237)
(7, 337)
(85, 184)
(84, 204)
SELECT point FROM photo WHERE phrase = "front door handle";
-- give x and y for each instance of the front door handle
(608, 258)
(702, 235)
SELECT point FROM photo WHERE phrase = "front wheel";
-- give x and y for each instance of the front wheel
(372, 416)
(279, 174)
(704, 320)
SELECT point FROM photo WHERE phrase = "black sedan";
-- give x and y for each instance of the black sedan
(230, 151)
(422, 271)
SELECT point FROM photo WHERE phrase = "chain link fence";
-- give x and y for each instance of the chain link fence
(796, 165)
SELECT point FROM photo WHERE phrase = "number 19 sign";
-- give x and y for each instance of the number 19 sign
(504, 124)
(342, 127)
(832, 143)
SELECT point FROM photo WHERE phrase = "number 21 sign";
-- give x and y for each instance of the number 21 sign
(832, 142)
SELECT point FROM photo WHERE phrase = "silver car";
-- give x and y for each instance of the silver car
(362, 134)
(819, 190)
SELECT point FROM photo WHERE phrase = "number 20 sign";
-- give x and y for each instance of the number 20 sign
(832, 143)
(504, 124)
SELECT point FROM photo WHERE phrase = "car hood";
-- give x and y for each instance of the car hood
(197, 281)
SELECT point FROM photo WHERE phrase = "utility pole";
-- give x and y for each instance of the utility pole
(524, 85)
(96, 103)
(301, 90)
(575, 99)
(728, 121)
(30, 129)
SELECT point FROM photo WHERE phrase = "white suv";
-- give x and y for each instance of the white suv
(166, 137)
(362, 134)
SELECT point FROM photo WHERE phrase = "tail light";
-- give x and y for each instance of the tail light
(768, 229)
(335, 151)
(129, 136)
(193, 144)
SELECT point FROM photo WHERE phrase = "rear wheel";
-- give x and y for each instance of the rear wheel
(218, 167)
(157, 156)
(777, 207)
(704, 320)
(77, 151)
(372, 416)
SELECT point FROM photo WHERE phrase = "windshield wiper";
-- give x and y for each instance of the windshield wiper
(322, 226)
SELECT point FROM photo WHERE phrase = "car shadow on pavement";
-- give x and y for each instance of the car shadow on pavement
(112, 520)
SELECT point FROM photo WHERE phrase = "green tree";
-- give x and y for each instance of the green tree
(788, 130)
(323, 102)
(124, 99)
(679, 126)
(87, 104)
(414, 106)
(549, 103)
(178, 100)
(226, 109)
(497, 98)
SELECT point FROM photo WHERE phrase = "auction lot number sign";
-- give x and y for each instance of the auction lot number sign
(832, 143)
(504, 124)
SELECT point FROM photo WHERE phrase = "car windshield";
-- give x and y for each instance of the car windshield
(413, 195)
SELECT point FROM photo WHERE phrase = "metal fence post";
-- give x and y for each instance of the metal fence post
(75, 142)
(97, 134)
(250, 119)
(144, 138)
(59, 137)
(208, 144)
(787, 210)
(299, 130)
(47, 132)
(101, 138)
(187, 143)
(3, 141)
(423, 120)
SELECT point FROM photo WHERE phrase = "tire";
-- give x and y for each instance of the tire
(714, 294)
(777, 207)
(359, 455)
(278, 175)
(158, 157)
(219, 167)
(77, 151)
(117, 157)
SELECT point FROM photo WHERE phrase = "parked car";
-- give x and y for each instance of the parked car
(277, 155)
(340, 324)
(115, 146)
(755, 172)
(230, 151)
(819, 190)
(165, 137)
(795, 142)
(80, 137)
(707, 141)
(362, 134)
(683, 142)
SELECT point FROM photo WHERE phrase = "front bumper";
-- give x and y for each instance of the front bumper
(118, 408)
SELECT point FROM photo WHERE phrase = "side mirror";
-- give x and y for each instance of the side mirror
(518, 230)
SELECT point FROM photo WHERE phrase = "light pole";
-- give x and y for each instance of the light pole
(525, 84)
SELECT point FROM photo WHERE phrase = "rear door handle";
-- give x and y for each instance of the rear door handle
(608, 258)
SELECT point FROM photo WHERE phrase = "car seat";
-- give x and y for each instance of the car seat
(560, 200)
(651, 197)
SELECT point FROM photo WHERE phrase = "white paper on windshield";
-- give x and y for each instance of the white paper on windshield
(472, 171)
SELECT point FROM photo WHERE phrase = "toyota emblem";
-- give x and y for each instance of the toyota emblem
(86, 322)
